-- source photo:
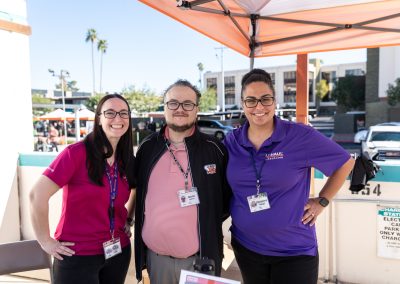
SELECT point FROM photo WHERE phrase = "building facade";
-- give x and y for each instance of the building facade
(284, 80)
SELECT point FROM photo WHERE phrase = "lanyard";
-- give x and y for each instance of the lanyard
(113, 181)
(185, 174)
(258, 173)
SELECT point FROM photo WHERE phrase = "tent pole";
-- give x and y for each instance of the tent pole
(302, 88)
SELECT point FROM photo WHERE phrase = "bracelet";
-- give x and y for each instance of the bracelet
(130, 221)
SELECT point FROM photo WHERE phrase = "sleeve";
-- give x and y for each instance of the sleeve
(322, 153)
(62, 168)
(226, 189)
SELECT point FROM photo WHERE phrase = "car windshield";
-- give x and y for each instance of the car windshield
(385, 136)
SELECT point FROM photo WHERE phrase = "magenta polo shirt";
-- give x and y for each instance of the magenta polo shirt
(289, 154)
(84, 217)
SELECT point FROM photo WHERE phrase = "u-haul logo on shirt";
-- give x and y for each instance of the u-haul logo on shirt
(274, 156)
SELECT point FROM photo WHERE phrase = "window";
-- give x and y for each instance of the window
(212, 83)
(289, 87)
(354, 72)
(229, 90)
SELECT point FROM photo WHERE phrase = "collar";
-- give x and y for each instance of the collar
(194, 135)
(277, 136)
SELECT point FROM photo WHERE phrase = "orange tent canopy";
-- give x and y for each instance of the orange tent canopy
(258, 28)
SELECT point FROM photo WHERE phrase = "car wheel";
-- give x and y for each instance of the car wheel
(220, 135)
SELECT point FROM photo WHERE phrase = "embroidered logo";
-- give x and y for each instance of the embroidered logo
(211, 169)
(274, 156)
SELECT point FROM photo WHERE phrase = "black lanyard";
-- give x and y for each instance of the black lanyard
(113, 181)
(185, 174)
(258, 173)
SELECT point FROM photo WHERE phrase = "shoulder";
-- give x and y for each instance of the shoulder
(77, 149)
(212, 142)
(295, 128)
(148, 142)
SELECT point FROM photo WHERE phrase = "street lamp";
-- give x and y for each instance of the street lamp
(222, 76)
(62, 75)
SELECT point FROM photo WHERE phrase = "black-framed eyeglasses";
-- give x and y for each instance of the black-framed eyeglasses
(174, 105)
(253, 102)
(109, 113)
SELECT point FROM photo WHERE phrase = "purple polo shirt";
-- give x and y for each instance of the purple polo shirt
(289, 154)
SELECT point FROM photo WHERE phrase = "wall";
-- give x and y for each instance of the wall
(16, 111)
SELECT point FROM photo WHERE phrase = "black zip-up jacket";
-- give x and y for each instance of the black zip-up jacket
(213, 189)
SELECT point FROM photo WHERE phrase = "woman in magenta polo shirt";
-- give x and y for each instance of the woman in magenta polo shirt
(269, 170)
(91, 243)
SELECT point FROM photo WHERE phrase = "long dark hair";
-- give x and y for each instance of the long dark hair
(98, 149)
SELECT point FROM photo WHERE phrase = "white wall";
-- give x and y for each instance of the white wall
(389, 68)
(16, 105)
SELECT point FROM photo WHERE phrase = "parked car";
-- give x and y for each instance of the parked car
(214, 128)
(382, 142)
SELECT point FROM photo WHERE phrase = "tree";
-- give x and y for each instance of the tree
(393, 93)
(93, 102)
(200, 66)
(91, 36)
(40, 99)
(68, 86)
(322, 89)
(142, 100)
(208, 100)
(102, 46)
(349, 93)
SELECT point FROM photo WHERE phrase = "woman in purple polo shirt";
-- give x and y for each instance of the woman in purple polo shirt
(269, 170)
(91, 243)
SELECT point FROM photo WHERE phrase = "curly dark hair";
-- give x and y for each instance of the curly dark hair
(98, 148)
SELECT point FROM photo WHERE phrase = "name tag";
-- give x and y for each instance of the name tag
(112, 248)
(258, 202)
(188, 198)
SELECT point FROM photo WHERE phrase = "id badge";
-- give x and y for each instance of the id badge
(112, 248)
(188, 198)
(258, 202)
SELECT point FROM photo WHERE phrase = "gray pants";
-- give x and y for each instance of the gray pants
(165, 269)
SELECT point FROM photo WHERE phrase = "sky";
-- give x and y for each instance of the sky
(146, 49)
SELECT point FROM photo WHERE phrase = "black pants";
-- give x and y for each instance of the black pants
(263, 269)
(92, 269)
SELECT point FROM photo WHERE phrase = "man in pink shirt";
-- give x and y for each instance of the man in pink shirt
(182, 193)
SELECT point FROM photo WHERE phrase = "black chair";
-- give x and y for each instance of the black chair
(23, 256)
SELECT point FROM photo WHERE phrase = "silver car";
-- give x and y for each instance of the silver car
(382, 143)
(214, 128)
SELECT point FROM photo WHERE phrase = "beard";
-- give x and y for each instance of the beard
(181, 128)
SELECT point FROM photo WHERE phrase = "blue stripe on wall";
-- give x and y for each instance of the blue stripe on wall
(36, 159)
(387, 173)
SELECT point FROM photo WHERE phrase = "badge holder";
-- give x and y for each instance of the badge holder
(188, 197)
(112, 248)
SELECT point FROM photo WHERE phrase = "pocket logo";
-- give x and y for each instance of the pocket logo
(211, 169)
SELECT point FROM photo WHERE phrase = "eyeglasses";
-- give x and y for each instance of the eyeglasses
(253, 102)
(174, 105)
(109, 113)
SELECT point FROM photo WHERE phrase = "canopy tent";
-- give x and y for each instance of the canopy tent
(258, 28)
(85, 114)
(279, 27)
(57, 114)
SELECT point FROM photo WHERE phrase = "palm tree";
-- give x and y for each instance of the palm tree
(91, 36)
(102, 46)
(200, 66)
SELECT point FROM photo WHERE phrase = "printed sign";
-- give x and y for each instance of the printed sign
(189, 277)
(388, 232)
